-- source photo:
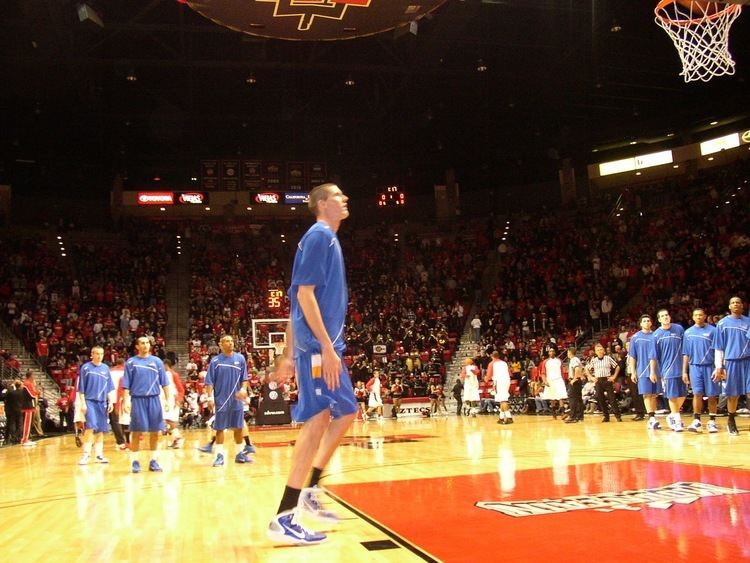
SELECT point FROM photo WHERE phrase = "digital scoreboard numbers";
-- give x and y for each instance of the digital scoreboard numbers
(275, 298)
(390, 196)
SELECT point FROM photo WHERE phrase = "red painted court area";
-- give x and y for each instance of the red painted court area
(654, 519)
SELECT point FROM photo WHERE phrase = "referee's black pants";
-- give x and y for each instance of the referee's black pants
(604, 385)
(575, 399)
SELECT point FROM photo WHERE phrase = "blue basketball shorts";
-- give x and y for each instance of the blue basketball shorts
(738, 377)
(313, 394)
(674, 387)
(229, 419)
(96, 416)
(701, 382)
(647, 387)
(146, 414)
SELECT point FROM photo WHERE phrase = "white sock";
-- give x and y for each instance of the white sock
(135, 456)
(99, 449)
(507, 414)
(220, 449)
(87, 449)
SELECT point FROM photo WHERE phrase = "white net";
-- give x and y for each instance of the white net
(700, 32)
(277, 350)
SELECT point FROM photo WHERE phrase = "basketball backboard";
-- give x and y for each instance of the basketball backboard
(269, 334)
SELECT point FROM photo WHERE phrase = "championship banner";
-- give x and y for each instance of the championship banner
(272, 172)
(296, 180)
(252, 177)
(317, 173)
(210, 174)
(230, 175)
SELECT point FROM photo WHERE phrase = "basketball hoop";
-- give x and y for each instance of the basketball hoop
(278, 350)
(700, 33)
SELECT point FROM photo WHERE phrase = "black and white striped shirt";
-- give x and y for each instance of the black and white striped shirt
(602, 367)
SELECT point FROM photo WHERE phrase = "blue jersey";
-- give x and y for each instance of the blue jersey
(226, 374)
(669, 350)
(698, 345)
(319, 262)
(731, 337)
(95, 381)
(643, 349)
(144, 376)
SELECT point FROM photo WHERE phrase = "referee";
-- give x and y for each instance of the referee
(605, 371)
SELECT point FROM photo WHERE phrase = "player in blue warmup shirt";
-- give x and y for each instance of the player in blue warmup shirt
(96, 394)
(697, 364)
(668, 339)
(732, 358)
(642, 360)
(226, 380)
(315, 343)
(142, 382)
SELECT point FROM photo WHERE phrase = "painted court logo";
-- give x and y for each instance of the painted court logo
(306, 11)
(659, 497)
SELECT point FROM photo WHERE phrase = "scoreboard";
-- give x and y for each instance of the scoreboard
(275, 298)
(391, 195)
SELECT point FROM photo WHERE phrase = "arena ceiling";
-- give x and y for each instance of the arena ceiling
(562, 77)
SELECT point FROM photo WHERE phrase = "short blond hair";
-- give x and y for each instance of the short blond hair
(319, 193)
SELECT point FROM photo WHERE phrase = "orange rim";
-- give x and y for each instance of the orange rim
(693, 21)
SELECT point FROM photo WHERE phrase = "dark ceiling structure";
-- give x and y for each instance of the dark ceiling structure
(499, 90)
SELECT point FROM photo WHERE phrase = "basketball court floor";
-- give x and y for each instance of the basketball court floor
(442, 488)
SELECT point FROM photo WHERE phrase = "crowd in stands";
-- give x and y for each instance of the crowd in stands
(561, 276)
(102, 292)
(409, 296)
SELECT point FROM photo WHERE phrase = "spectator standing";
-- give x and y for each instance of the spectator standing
(458, 392)
(14, 402)
(116, 372)
(575, 386)
(476, 328)
(607, 306)
(28, 405)
(397, 391)
(36, 419)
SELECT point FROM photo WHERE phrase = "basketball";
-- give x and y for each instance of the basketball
(700, 7)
